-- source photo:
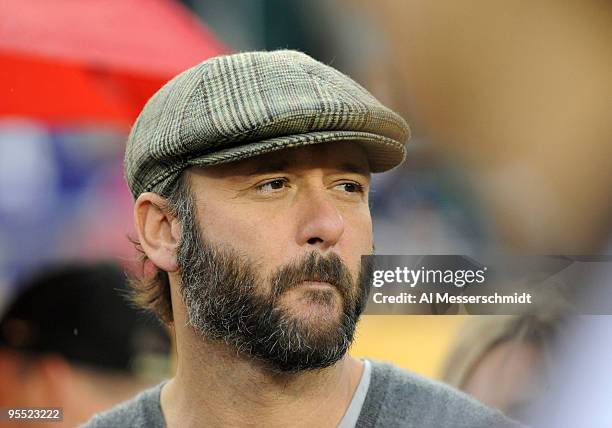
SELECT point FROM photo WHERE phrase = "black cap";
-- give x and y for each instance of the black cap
(80, 311)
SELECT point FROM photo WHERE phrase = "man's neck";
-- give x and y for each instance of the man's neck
(214, 385)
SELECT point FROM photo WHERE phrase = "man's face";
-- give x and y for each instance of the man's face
(271, 261)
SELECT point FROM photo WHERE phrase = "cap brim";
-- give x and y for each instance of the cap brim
(383, 153)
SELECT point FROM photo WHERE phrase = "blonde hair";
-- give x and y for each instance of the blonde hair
(539, 326)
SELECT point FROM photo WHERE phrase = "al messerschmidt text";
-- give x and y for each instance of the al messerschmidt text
(496, 298)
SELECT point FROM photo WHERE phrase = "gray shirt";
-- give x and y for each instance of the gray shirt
(395, 398)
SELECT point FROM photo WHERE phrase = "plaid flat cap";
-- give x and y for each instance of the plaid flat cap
(242, 105)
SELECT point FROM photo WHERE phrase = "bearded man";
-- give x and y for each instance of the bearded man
(251, 175)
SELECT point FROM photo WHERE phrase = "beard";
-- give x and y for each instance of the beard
(228, 301)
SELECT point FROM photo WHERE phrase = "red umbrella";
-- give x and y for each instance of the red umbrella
(93, 60)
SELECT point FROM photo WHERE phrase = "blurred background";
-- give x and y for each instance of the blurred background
(510, 104)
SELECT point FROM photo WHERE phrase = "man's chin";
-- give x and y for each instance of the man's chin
(320, 305)
(317, 348)
(301, 332)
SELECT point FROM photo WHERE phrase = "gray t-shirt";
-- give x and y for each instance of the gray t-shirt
(395, 398)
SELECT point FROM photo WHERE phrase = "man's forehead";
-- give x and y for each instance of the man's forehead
(348, 157)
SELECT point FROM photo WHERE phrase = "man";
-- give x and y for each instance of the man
(69, 339)
(251, 175)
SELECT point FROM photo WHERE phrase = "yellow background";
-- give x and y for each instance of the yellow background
(415, 342)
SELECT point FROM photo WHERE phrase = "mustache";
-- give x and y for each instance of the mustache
(313, 267)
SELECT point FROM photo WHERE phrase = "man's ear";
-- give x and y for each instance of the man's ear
(158, 231)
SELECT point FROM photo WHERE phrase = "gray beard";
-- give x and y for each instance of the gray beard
(226, 301)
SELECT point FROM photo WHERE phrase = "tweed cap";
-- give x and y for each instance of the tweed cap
(242, 105)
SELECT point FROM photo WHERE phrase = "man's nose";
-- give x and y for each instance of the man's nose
(320, 223)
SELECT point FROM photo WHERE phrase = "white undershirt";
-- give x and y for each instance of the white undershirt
(349, 420)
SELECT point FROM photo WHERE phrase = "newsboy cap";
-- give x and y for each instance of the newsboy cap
(242, 105)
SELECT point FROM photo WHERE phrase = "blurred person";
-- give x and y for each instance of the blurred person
(251, 175)
(518, 96)
(505, 361)
(70, 340)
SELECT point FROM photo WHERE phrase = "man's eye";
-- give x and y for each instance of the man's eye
(351, 187)
(272, 186)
